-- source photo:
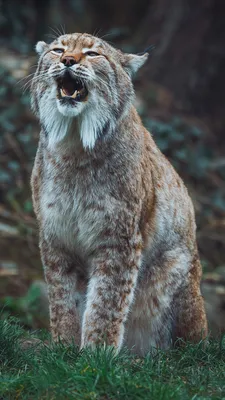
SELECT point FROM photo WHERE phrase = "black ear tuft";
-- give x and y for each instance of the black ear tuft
(148, 50)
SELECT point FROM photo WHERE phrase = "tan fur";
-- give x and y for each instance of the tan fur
(117, 227)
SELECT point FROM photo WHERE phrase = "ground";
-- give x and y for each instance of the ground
(48, 371)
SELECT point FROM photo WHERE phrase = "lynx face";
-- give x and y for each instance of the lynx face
(82, 76)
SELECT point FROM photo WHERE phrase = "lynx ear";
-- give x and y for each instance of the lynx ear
(132, 62)
(41, 47)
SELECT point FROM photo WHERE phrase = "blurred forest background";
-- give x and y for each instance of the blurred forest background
(180, 97)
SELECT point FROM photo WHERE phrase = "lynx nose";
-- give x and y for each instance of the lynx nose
(68, 61)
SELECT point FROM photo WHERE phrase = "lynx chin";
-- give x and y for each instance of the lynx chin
(117, 226)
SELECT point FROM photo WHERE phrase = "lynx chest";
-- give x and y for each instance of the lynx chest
(71, 211)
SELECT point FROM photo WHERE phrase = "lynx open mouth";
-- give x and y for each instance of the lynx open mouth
(71, 88)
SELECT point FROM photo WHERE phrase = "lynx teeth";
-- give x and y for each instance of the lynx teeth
(74, 95)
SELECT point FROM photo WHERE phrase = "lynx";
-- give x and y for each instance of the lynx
(117, 226)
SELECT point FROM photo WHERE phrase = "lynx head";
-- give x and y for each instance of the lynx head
(81, 76)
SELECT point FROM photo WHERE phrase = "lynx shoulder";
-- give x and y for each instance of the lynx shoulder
(117, 226)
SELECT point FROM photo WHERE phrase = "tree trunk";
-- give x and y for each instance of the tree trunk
(189, 58)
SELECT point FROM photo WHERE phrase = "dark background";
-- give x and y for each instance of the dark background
(180, 97)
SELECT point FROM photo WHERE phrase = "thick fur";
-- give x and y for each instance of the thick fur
(117, 227)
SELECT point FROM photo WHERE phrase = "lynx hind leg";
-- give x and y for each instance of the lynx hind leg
(157, 317)
(189, 309)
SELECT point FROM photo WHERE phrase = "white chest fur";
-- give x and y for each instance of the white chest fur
(68, 216)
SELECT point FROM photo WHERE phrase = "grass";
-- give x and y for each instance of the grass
(63, 372)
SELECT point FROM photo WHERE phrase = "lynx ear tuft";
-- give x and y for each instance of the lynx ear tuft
(41, 47)
(132, 62)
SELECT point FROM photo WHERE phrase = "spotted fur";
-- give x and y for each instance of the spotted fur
(117, 227)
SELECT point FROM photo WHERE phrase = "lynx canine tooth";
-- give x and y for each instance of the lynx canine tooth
(62, 93)
(74, 95)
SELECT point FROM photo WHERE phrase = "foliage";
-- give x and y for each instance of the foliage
(63, 372)
(186, 146)
(16, 142)
(183, 143)
(27, 308)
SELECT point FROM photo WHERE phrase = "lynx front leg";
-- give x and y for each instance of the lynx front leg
(64, 317)
(110, 293)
